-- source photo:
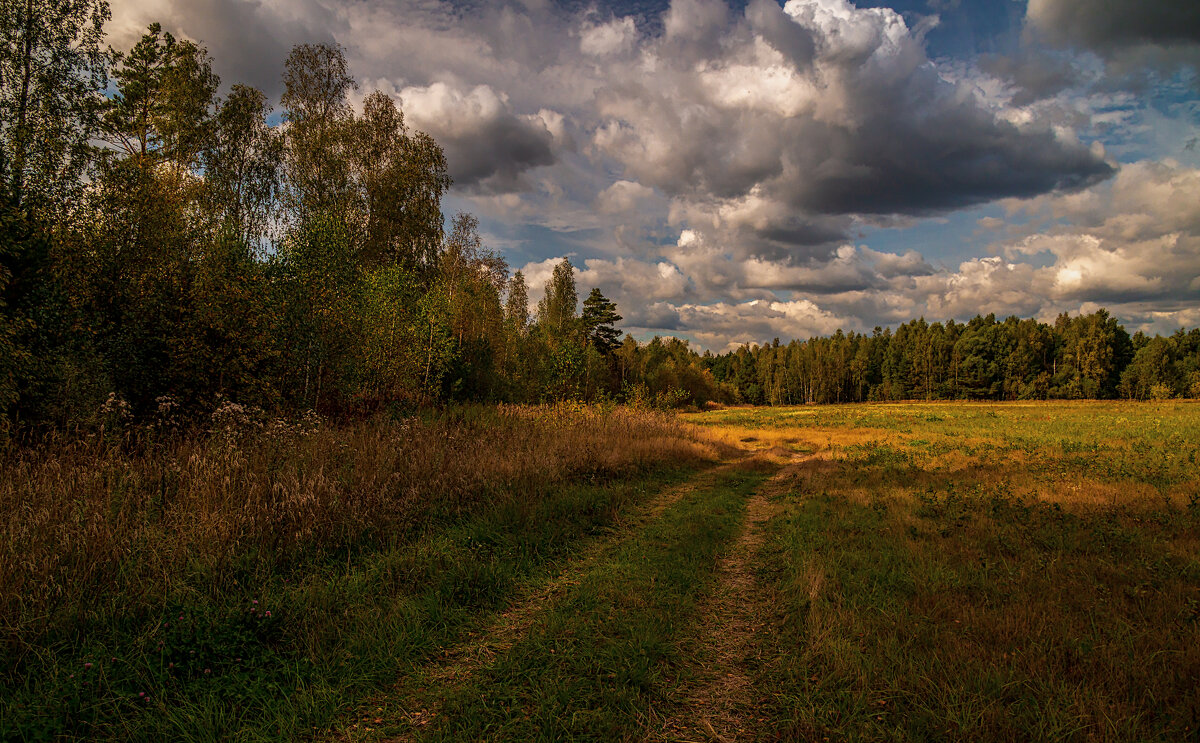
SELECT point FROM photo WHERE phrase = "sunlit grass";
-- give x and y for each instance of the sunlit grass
(952, 571)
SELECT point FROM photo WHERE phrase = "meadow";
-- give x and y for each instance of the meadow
(873, 572)
(959, 571)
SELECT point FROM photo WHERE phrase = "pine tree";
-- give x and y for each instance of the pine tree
(163, 107)
(599, 322)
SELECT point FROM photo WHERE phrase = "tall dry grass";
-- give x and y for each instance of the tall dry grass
(90, 522)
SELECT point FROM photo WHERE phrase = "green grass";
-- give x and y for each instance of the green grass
(217, 667)
(982, 572)
(604, 656)
(980, 619)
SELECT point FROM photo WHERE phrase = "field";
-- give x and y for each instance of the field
(977, 572)
(899, 572)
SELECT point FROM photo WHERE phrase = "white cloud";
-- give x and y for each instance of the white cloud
(606, 39)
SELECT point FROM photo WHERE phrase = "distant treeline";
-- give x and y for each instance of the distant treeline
(1090, 356)
(166, 248)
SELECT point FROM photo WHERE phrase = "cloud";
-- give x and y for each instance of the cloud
(716, 168)
(724, 325)
(624, 196)
(1033, 74)
(606, 39)
(817, 110)
(1134, 239)
(1105, 25)
(823, 109)
(1134, 37)
(487, 146)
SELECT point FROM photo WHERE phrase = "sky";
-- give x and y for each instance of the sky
(733, 172)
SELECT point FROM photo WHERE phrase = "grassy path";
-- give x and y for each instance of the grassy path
(721, 704)
(593, 653)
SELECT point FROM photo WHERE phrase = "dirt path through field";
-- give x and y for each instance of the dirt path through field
(414, 703)
(720, 705)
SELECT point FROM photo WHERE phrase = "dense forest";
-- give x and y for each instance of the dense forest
(1088, 356)
(164, 247)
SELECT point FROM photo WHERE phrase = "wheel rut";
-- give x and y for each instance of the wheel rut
(414, 704)
(720, 704)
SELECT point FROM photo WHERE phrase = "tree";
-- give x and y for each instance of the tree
(516, 306)
(599, 322)
(148, 242)
(401, 179)
(241, 168)
(472, 277)
(14, 355)
(1094, 351)
(51, 71)
(320, 287)
(1152, 372)
(316, 81)
(162, 108)
(556, 310)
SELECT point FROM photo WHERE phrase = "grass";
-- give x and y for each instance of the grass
(914, 572)
(251, 586)
(601, 659)
(982, 572)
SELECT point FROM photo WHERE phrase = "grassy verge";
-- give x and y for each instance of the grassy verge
(253, 587)
(603, 657)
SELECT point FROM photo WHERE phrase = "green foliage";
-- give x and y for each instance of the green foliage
(51, 65)
(316, 80)
(557, 311)
(242, 168)
(1089, 356)
(401, 340)
(319, 285)
(401, 178)
(162, 109)
(599, 322)
(13, 357)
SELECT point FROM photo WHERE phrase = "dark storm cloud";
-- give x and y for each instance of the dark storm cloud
(791, 39)
(490, 158)
(947, 157)
(1104, 25)
(1034, 75)
(793, 231)
(866, 125)
(821, 107)
(488, 147)
(1139, 40)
